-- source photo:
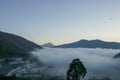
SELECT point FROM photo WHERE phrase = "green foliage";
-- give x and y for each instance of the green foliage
(9, 78)
(7, 50)
(2, 77)
(56, 78)
(94, 78)
(76, 70)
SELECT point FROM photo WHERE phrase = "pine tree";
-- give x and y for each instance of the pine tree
(76, 70)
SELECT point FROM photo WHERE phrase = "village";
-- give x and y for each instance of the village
(22, 67)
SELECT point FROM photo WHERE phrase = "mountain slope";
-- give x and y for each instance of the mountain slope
(91, 44)
(15, 46)
(117, 56)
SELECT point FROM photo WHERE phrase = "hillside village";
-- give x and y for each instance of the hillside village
(21, 67)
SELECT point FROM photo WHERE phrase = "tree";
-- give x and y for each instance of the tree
(76, 70)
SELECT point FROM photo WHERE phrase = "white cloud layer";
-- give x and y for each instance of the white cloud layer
(99, 62)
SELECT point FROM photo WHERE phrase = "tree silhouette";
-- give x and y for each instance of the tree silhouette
(76, 70)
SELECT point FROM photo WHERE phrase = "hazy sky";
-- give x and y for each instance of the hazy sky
(61, 21)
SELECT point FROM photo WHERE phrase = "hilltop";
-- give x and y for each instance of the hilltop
(48, 45)
(15, 46)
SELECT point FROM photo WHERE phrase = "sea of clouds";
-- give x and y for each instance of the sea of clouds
(99, 62)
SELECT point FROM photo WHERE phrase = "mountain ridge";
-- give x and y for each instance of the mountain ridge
(12, 45)
(91, 44)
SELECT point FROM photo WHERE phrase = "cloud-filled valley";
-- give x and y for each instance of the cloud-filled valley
(99, 62)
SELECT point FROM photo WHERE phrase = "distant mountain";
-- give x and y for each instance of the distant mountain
(91, 44)
(117, 56)
(48, 45)
(15, 46)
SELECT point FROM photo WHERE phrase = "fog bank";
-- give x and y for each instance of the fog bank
(99, 62)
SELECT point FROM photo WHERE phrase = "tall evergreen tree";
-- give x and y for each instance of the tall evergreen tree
(76, 70)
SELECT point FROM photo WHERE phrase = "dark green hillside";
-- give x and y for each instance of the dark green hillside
(117, 56)
(15, 46)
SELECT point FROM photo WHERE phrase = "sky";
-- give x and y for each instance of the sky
(61, 21)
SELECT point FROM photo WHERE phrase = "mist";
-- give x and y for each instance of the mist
(99, 62)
